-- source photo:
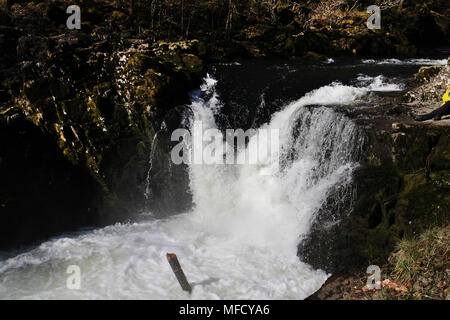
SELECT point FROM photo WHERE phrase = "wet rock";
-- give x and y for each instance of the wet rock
(192, 63)
(431, 83)
(394, 197)
(97, 101)
(426, 73)
(310, 55)
(37, 182)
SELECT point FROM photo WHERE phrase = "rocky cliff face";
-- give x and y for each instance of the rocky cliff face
(78, 117)
(401, 189)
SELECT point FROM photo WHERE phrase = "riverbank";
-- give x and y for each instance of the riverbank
(417, 269)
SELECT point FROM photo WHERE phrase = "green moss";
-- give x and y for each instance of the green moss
(147, 92)
(192, 63)
(378, 244)
(441, 158)
(429, 205)
(139, 62)
(396, 198)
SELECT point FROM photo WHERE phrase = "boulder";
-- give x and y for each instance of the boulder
(426, 73)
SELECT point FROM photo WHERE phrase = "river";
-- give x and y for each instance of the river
(240, 239)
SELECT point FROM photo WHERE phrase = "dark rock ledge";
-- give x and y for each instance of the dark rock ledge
(401, 190)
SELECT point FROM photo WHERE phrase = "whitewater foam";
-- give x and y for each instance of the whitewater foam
(425, 62)
(241, 238)
(378, 84)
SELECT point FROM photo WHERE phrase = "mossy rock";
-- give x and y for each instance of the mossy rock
(162, 48)
(192, 63)
(441, 157)
(378, 245)
(310, 55)
(425, 73)
(413, 147)
(426, 204)
(396, 198)
(174, 60)
(139, 62)
(149, 91)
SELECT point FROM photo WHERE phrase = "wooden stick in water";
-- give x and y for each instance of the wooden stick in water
(176, 267)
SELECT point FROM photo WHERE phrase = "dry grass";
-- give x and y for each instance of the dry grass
(423, 264)
(418, 269)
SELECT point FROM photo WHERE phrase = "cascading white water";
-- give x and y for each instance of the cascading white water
(274, 210)
(421, 62)
(153, 146)
(241, 238)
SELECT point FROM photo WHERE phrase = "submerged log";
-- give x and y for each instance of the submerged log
(176, 267)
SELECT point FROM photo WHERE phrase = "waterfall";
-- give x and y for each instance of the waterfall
(240, 239)
(153, 147)
(318, 151)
